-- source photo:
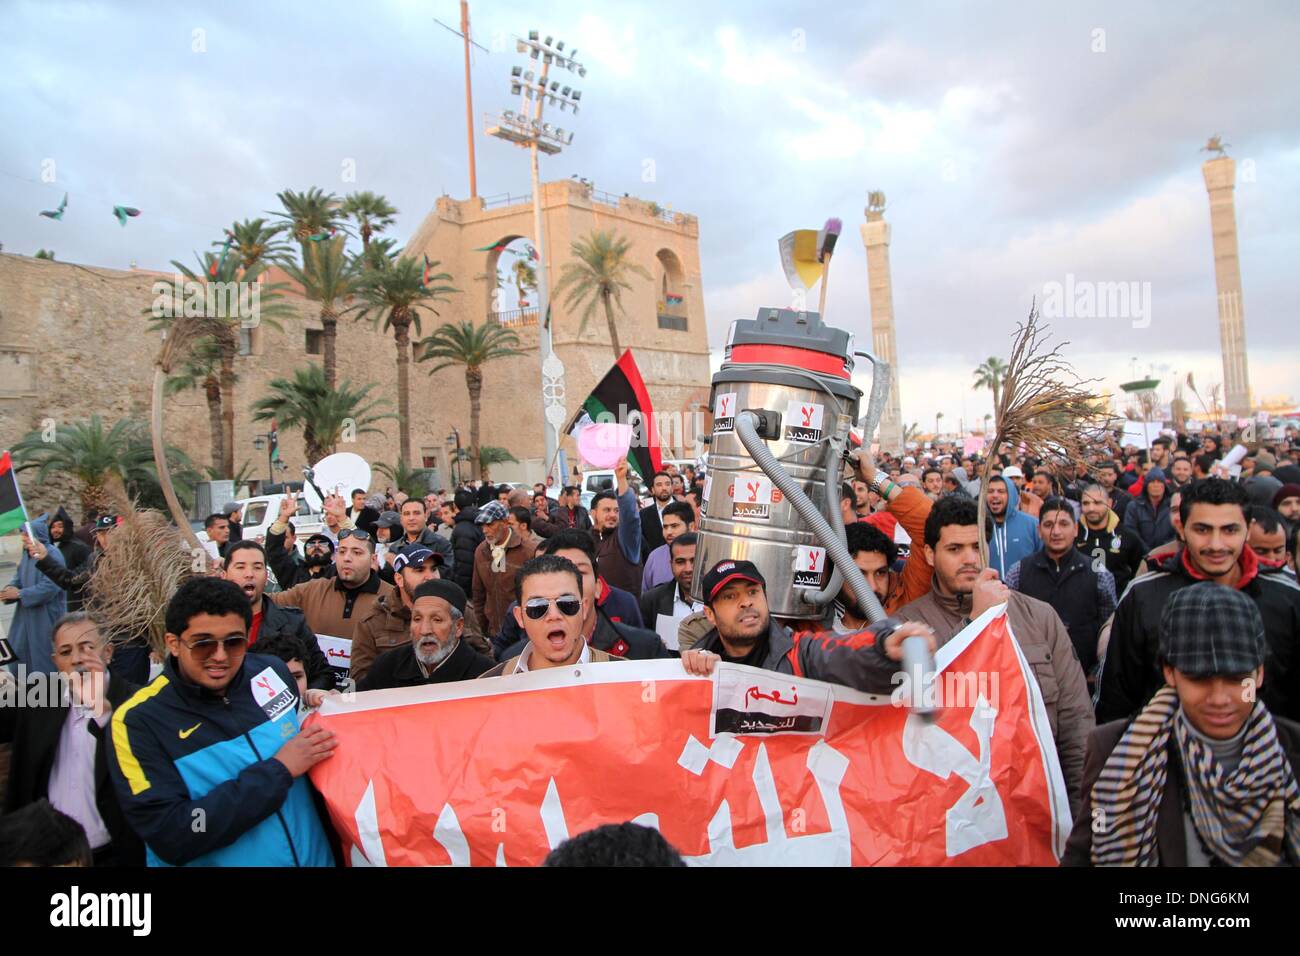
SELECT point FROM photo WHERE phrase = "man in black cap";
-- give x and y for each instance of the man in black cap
(744, 632)
(436, 651)
(1204, 775)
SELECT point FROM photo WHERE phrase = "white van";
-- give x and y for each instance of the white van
(259, 512)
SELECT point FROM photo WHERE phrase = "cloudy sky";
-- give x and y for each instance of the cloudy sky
(1018, 144)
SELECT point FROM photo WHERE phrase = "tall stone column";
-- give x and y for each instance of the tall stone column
(875, 236)
(1220, 176)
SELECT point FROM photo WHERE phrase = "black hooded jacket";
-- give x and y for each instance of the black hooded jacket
(465, 538)
(78, 562)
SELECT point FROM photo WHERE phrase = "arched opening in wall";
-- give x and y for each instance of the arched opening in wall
(512, 292)
(670, 291)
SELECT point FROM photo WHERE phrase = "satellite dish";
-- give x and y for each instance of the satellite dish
(336, 474)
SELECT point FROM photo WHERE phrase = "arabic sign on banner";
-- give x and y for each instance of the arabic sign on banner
(498, 772)
(1140, 434)
(338, 651)
(972, 445)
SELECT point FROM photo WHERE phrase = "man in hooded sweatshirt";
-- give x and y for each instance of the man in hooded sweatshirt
(1148, 516)
(40, 602)
(77, 557)
(1015, 533)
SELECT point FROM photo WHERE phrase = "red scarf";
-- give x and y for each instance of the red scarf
(1248, 562)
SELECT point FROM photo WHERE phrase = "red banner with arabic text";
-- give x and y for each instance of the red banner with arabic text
(746, 767)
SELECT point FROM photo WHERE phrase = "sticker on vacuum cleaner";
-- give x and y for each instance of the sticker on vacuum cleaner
(724, 413)
(751, 498)
(708, 487)
(803, 422)
(809, 563)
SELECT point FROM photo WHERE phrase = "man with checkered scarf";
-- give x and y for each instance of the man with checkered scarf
(1204, 775)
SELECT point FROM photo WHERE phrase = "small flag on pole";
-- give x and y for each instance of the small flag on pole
(13, 514)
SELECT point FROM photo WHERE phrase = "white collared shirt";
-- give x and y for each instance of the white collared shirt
(522, 666)
(684, 608)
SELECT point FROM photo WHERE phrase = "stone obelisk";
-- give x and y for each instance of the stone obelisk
(875, 236)
(1220, 174)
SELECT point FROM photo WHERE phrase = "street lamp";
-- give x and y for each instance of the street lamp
(454, 439)
(533, 85)
(264, 441)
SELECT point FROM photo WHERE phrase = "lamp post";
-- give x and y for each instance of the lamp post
(526, 129)
(454, 439)
(264, 441)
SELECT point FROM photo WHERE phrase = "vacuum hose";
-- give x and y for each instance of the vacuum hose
(746, 427)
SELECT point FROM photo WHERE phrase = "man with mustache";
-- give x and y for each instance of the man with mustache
(1215, 527)
(436, 652)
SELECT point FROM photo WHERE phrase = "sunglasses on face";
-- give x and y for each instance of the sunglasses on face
(537, 607)
(202, 650)
(354, 533)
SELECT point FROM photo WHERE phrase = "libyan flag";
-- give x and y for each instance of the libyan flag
(621, 397)
(12, 512)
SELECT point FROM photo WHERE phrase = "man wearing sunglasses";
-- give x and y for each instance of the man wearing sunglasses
(209, 760)
(549, 596)
(335, 604)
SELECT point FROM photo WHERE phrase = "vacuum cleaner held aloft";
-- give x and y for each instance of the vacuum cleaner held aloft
(783, 406)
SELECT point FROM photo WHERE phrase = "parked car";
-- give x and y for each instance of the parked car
(259, 513)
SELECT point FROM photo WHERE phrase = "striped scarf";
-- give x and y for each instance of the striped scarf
(1248, 817)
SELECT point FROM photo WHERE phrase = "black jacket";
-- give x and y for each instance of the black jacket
(621, 640)
(1130, 673)
(78, 557)
(399, 668)
(465, 538)
(1171, 836)
(288, 572)
(1121, 549)
(1071, 590)
(431, 540)
(652, 528)
(277, 620)
(34, 733)
(658, 600)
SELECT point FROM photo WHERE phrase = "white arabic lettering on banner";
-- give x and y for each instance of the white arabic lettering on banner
(978, 816)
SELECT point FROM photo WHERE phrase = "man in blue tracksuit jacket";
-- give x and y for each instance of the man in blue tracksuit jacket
(208, 760)
(1015, 534)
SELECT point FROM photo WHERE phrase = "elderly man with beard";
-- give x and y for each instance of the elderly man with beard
(1101, 539)
(246, 568)
(1215, 527)
(388, 626)
(1213, 770)
(436, 650)
(60, 750)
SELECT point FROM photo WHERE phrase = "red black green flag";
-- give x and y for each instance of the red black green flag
(497, 246)
(12, 512)
(621, 397)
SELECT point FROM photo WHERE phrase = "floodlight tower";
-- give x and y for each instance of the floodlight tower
(525, 127)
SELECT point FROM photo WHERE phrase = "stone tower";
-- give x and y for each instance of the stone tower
(875, 236)
(1220, 176)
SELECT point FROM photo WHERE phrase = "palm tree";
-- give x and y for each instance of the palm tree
(253, 241)
(525, 279)
(599, 276)
(309, 213)
(396, 290)
(328, 276)
(224, 325)
(307, 402)
(473, 346)
(202, 369)
(372, 213)
(413, 481)
(990, 375)
(938, 415)
(104, 462)
(490, 455)
(910, 432)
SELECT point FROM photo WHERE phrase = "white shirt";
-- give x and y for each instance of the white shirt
(683, 608)
(522, 666)
(72, 777)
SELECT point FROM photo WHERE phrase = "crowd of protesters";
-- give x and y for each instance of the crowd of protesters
(1152, 592)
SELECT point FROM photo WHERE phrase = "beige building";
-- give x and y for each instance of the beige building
(74, 342)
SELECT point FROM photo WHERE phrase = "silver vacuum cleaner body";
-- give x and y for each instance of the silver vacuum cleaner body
(790, 364)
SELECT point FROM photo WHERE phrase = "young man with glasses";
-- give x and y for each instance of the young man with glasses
(222, 723)
(549, 596)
